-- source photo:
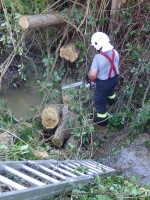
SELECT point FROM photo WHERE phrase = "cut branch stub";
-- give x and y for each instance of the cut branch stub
(69, 52)
(50, 117)
(36, 21)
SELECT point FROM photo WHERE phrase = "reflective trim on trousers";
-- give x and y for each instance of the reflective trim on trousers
(102, 115)
(113, 96)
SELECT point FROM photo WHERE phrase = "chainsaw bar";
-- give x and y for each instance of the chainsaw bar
(72, 85)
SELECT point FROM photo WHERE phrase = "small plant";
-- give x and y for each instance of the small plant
(148, 144)
(141, 119)
(82, 169)
(118, 120)
(21, 69)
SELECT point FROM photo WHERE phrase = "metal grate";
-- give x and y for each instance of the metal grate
(30, 180)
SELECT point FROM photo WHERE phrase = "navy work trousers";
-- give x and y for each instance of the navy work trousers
(104, 89)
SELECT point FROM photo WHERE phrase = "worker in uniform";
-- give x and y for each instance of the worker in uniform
(105, 68)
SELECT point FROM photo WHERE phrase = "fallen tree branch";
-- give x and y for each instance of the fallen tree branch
(37, 21)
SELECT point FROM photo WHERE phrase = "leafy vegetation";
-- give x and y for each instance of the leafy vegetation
(110, 188)
(34, 54)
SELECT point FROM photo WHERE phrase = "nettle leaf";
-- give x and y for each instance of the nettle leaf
(103, 197)
(134, 178)
(74, 185)
(17, 15)
(91, 22)
(2, 38)
(4, 24)
(134, 191)
(49, 84)
(81, 186)
(77, 191)
(24, 147)
(112, 188)
(45, 61)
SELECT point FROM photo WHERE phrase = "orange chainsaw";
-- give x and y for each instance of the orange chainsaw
(89, 83)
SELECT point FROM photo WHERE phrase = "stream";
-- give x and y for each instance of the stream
(21, 100)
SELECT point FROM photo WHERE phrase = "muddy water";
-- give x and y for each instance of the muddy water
(21, 100)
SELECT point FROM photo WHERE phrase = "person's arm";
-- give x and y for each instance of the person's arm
(92, 73)
(94, 68)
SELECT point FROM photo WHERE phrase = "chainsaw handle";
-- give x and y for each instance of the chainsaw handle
(91, 82)
(87, 79)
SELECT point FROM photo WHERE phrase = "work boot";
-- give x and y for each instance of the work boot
(101, 121)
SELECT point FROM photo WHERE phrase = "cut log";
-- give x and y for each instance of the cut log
(69, 52)
(62, 132)
(50, 117)
(36, 21)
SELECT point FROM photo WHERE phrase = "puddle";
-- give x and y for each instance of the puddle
(21, 100)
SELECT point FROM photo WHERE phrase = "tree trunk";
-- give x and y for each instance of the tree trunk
(62, 132)
(115, 13)
(51, 117)
(69, 52)
(115, 7)
(36, 21)
(68, 118)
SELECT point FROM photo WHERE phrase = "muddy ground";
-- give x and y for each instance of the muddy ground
(132, 160)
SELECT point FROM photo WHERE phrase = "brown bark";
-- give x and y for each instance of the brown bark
(37, 21)
(115, 13)
(123, 1)
(69, 52)
(51, 116)
(62, 132)
(115, 7)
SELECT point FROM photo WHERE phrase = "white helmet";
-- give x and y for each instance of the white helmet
(99, 39)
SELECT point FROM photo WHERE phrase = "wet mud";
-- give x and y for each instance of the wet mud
(132, 160)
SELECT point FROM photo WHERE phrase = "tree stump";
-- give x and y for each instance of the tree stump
(51, 117)
(69, 52)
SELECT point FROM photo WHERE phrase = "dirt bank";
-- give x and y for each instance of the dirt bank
(132, 160)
